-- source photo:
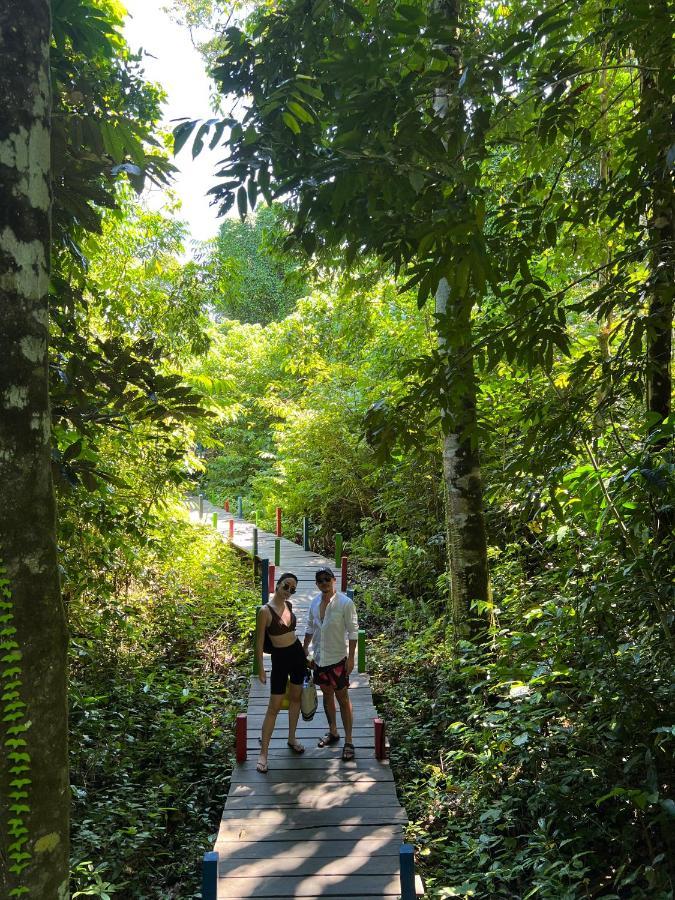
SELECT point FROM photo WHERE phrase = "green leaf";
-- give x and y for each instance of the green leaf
(242, 203)
(291, 122)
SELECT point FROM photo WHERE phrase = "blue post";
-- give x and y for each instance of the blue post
(240, 507)
(305, 533)
(210, 876)
(407, 862)
(265, 575)
(350, 593)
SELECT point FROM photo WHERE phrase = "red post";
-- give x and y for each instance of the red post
(270, 579)
(240, 731)
(380, 745)
(231, 529)
(227, 506)
(278, 521)
(343, 586)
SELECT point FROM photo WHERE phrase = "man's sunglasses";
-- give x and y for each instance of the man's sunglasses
(324, 579)
(287, 587)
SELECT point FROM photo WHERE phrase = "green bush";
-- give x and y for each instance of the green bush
(157, 677)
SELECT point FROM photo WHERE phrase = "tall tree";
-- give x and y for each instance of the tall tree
(657, 111)
(33, 725)
(454, 301)
(345, 122)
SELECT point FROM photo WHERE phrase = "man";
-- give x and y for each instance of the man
(332, 616)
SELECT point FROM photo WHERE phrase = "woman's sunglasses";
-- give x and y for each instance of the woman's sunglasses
(324, 579)
(287, 587)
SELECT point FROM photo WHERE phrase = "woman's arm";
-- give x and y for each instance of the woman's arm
(262, 621)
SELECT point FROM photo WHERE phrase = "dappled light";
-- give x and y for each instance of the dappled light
(338, 538)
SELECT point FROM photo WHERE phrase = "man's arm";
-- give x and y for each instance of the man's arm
(309, 629)
(350, 658)
(352, 628)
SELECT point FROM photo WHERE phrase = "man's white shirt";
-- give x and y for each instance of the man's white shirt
(330, 636)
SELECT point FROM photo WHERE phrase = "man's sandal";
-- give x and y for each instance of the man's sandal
(328, 739)
(348, 752)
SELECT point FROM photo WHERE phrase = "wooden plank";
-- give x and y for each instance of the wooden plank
(326, 764)
(285, 757)
(341, 886)
(290, 817)
(279, 864)
(316, 849)
(331, 793)
(309, 776)
(230, 831)
(269, 801)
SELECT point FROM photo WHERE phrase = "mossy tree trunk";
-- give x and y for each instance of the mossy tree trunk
(465, 521)
(34, 793)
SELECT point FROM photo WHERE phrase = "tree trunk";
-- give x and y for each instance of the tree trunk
(657, 110)
(34, 793)
(465, 523)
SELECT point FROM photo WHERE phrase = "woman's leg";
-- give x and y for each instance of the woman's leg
(269, 721)
(294, 694)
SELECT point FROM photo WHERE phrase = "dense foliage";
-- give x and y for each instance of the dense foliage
(159, 662)
(521, 154)
(521, 157)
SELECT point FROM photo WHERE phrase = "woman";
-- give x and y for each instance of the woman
(277, 619)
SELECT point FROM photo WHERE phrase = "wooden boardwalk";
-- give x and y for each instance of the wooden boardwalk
(313, 826)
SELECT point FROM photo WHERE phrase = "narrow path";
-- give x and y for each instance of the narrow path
(313, 826)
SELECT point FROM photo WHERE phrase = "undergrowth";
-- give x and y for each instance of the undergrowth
(159, 671)
(538, 764)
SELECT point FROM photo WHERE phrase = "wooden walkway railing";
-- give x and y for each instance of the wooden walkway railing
(313, 826)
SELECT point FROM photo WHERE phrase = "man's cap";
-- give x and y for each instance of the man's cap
(325, 571)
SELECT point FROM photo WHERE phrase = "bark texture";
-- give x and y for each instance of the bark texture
(465, 522)
(466, 536)
(34, 793)
(657, 108)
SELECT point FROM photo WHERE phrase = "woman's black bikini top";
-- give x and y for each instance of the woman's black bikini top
(277, 626)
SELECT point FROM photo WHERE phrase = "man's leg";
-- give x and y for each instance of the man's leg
(346, 712)
(329, 708)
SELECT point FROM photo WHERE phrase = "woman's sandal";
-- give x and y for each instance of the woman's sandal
(328, 739)
(348, 752)
(296, 747)
(262, 768)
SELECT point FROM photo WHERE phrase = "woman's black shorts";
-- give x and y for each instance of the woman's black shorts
(287, 662)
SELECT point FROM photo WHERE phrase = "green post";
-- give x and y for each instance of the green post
(277, 551)
(361, 648)
(215, 521)
(201, 506)
(305, 533)
(338, 549)
(254, 552)
(240, 507)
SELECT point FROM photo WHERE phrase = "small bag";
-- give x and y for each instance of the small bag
(308, 699)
